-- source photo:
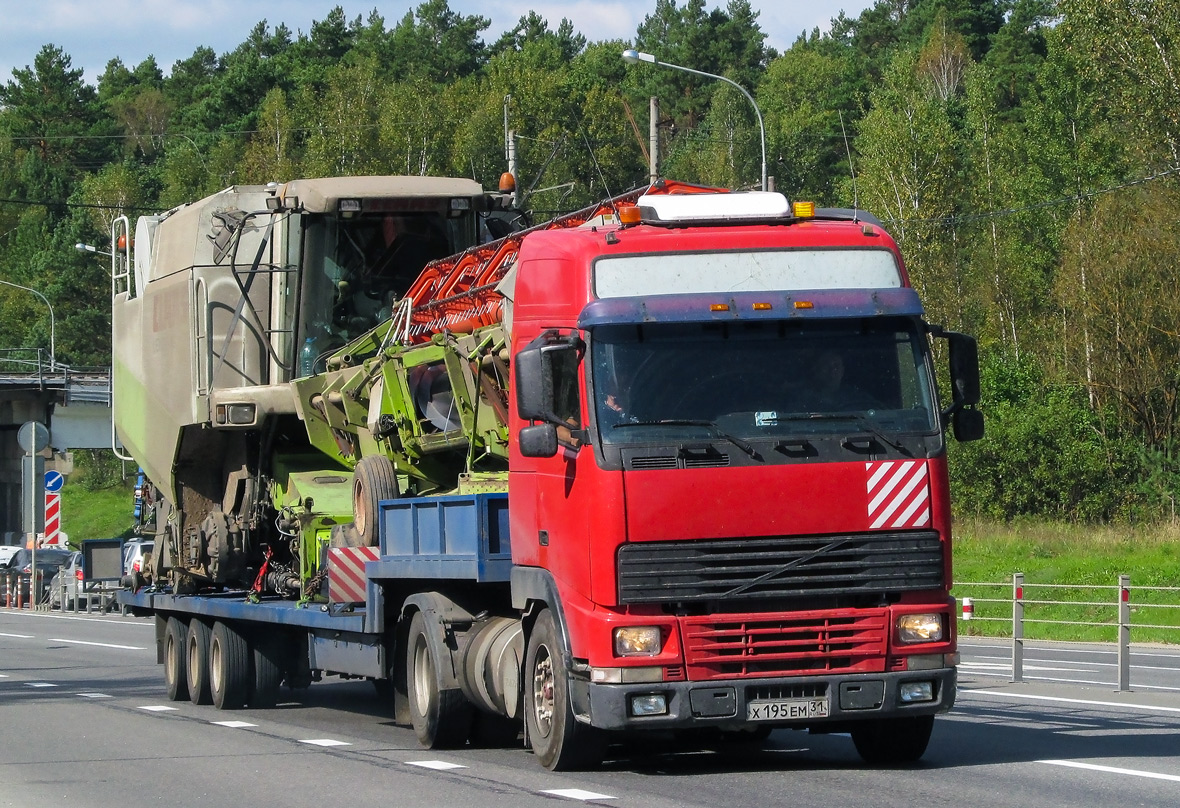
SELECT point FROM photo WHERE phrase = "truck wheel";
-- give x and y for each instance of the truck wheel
(229, 667)
(441, 718)
(267, 653)
(372, 481)
(175, 669)
(558, 740)
(890, 741)
(196, 659)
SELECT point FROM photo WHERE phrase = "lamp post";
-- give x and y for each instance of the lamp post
(52, 322)
(631, 56)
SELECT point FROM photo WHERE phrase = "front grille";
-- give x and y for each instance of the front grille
(785, 645)
(779, 567)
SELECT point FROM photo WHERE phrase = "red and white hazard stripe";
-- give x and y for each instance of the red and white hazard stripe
(346, 573)
(52, 517)
(899, 494)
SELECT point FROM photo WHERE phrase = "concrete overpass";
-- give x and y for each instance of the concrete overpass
(75, 403)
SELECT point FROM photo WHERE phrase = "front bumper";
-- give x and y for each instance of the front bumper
(723, 704)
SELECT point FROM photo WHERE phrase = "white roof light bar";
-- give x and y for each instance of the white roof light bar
(713, 207)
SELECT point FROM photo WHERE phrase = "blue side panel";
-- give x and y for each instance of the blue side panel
(451, 537)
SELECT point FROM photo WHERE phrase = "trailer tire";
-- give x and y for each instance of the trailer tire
(372, 481)
(229, 667)
(175, 667)
(558, 740)
(196, 658)
(441, 718)
(267, 659)
(892, 741)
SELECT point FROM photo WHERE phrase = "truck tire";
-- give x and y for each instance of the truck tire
(558, 740)
(372, 481)
(267, 654)
(196, 661)
(229, 667)
(441, 718)
(175, 667)
(892, 741)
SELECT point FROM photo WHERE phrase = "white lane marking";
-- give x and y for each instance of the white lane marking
(3, 675)
(18, 636)
(577, 794)
(325, 742)
(159, 708)
(1148, 707)
(1106, 683)
(40, 684)
(995, 666)
(1073, 764)
(233, 724)
(94, 695)
(1134, 666)
(440, 765)
(99, 644)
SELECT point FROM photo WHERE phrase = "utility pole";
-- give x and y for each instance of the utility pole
(653, 129)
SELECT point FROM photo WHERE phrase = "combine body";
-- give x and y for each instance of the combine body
(682, 470)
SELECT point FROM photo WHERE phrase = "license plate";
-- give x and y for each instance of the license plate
(787, 709)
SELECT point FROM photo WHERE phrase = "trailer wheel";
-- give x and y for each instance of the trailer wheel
(267, 658)
(196, 659)
(175, 667)
(891, 741)
(558, 740)
(441, 718)
(229, 667)
(372, 481)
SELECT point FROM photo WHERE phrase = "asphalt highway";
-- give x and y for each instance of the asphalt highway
(84, 722)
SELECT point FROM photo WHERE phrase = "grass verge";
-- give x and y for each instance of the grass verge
(1070, 579)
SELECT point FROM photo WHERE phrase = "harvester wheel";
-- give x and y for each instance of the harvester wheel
(372, 481)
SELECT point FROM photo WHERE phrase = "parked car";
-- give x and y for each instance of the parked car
(76, 591)
(137, 555)
(7, 551)
(17, 572)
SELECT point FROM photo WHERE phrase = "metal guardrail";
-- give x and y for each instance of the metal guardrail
(34, 366)
(1019, 603)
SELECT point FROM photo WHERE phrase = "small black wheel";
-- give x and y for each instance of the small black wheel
(892, 741)
(267, 668)
(196, 659)
(558, 740)
(441, 718)
(373, 480)
(175, 669)
(229, 667)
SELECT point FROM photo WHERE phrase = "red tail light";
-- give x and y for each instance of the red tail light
(135, 566)
(78, 574)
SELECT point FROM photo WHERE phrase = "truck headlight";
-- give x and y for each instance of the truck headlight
(912, 628)
(637, 641)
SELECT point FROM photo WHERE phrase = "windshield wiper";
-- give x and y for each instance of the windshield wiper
(736, 441)
(868, 425)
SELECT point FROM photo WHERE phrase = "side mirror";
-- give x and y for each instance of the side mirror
(964, 362)
(538, 441)
(967, 424)
(534, 384)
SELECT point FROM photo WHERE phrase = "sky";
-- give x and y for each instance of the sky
(92, 32)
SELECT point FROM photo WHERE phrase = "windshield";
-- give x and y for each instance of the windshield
(355, 268)
(661, 381)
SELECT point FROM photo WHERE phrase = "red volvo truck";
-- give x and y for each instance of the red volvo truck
(677, 462)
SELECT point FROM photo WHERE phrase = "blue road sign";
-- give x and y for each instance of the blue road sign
(53, 481)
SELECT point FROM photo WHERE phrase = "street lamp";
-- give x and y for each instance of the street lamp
(52, 323)
(89, 248)
(631, 56)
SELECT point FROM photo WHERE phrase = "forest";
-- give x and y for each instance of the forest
(1025, 154)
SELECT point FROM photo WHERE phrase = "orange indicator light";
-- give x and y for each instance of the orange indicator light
(719, 307)
(804, 304)
(762, 307)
